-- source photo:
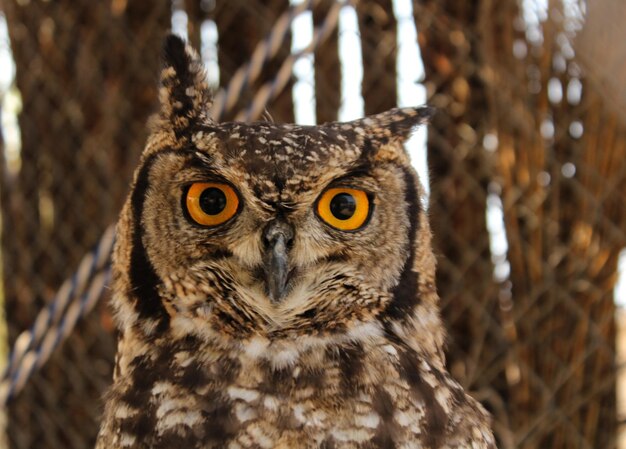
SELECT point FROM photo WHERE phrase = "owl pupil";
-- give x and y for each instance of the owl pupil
(342, 206)
(212, 201)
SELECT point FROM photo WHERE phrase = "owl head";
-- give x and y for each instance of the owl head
(241, 230)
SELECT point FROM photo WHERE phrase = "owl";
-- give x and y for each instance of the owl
(274, 287)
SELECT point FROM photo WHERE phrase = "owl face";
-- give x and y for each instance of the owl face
(274, 287)
(267, 229)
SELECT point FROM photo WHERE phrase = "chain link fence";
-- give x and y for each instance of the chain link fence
(527, 165)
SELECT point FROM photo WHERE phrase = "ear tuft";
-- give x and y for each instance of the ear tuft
(397, 124)
(184, 95)
(382, 135)
(174, 56)
(394, 125)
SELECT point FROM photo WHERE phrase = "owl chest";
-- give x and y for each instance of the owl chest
(244, 405)
(254, 404)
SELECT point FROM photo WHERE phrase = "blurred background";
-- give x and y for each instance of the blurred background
(525, 165)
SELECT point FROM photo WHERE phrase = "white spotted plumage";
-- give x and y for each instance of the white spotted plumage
(275, 328)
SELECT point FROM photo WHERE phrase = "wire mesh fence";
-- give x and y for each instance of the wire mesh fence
(527, 164)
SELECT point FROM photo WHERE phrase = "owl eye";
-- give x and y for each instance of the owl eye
(211, 203)
(344, 208)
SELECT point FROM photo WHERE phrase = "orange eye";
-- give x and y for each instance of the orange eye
(211, 203)
(343, 208)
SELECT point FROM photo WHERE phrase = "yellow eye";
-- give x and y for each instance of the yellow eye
(211, 203)
(344, 208)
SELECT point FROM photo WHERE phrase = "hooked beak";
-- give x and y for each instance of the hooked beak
(277, 236)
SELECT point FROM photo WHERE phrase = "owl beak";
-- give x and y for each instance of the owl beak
(278, 236)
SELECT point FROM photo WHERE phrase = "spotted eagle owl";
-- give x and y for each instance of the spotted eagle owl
(274, 287)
